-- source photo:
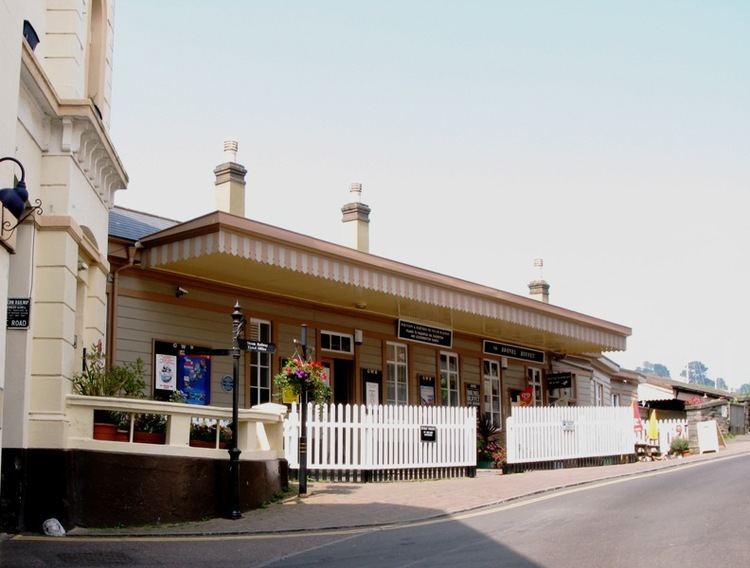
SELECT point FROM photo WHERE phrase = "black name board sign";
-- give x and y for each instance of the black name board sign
(472, 395)
(428, 433)
(424, 333)
(559, 381)
(514, 351)
(19, 313)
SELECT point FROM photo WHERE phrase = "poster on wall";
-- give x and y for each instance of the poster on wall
(426, 390)
(194, 378)
(472, 395)
(179, 367)
(372, 379)
(372, 394)
(166, 372)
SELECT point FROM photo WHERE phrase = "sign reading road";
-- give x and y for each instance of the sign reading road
(19, 313)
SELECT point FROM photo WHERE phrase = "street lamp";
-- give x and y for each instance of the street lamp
(238, 324)
(303, 420)
(14, 199)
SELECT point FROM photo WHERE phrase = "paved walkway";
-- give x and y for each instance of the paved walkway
(350, 505)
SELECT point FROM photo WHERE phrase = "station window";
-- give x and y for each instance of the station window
(492, 406)
(535, 382)
(396, 382)
(339, 342)
(260, 364)
(449, 379)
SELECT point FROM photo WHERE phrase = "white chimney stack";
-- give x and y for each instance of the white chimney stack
(539, 289)
(230, 182)
(356, 217)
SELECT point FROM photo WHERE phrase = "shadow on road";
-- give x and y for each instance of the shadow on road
(430, 543)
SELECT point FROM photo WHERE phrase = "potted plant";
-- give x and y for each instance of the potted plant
(150, 429)
(680, 447)
(486, 447)
(203, 435)
(96, 379)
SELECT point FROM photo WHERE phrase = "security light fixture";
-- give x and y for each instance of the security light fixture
(180, 292)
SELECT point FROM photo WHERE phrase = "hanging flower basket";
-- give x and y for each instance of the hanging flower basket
(301, 376)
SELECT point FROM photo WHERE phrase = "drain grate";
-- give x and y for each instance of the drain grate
(96, 559)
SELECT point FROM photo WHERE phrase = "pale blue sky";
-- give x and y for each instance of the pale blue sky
(610, 138)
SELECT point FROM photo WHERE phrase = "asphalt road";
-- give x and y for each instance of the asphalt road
(692, 516)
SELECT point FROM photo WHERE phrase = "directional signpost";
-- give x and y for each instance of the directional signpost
(238, 346)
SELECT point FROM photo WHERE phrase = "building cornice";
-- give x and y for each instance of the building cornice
(83, 133)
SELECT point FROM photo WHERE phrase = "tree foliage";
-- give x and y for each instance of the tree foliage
(697, 374)
(654, 369)
(721, 384)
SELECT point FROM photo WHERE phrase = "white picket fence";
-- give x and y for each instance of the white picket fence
(668, 431)
(372, 438)
(550, 433)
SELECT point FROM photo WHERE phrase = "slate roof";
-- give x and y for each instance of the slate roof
(135, 225)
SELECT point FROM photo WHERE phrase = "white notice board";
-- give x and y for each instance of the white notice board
(708, 439)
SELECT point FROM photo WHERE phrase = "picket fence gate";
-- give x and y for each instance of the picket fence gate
(668, 431)
(558, 434)
(383, 438)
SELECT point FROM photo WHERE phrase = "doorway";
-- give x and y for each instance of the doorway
(341, 380)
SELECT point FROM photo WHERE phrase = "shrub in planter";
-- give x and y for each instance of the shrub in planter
(203, 435)
(150, 429)
(680, 446)
(489, 452)
(96, 379)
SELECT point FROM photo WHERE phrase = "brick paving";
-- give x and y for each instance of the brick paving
(351, 505)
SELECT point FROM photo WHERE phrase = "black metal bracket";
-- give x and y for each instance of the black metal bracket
(9, 227)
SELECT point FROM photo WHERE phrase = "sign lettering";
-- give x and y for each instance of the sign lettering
(424, 333)
(19, 313)
(513, 351)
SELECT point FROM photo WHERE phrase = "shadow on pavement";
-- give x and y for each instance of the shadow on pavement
(430, 543)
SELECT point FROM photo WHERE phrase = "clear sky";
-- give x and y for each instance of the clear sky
(611, 139)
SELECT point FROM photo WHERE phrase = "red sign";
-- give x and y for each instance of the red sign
(527, 396)
(637, 426)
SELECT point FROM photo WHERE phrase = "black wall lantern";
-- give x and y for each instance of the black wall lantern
(14, 199)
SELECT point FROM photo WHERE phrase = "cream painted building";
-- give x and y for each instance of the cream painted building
(54, 117)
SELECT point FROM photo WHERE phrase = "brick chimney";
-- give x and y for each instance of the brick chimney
(356, 218)
(230, 182)
(539, 289)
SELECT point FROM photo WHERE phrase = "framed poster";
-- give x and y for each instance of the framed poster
(372, 379)
(166, 372)
(472, 395)
(179, 367)
(194, 378)
(426, 390)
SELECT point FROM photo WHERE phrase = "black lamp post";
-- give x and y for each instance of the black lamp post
(238, 324)
(14, 199)
(303, 420)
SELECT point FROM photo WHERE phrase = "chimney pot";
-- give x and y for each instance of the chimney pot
(230, 150)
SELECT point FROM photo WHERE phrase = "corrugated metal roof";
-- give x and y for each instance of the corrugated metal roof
(135, 225)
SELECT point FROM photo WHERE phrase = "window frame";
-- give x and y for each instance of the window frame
(262, 361)
(497, 417)
(340, 335)
(534, 380)
(453, 395)
(392, 379)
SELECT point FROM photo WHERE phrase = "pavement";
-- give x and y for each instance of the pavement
(329, 506)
